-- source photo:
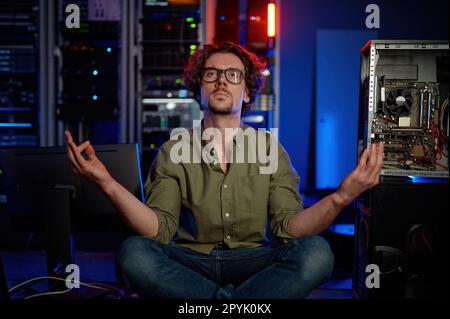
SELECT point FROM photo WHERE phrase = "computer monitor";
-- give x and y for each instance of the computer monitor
(40, 182)
(30, 171)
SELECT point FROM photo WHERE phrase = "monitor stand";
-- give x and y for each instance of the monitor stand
(56, 206)
(4, 293)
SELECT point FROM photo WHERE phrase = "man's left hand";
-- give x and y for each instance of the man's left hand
(365, 176)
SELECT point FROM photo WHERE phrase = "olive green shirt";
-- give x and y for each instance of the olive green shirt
(199, 206)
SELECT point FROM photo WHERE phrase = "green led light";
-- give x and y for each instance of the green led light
(193, 25)
(192, 47)
(189, 19)
(152, 146)
(178, 81)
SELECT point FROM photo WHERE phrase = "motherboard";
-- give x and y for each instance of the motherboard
(412, 119)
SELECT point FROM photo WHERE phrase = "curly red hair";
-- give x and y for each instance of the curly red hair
(254, 65)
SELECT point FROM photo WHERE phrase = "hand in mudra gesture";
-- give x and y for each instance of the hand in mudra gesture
(91, 167)
(365, 176)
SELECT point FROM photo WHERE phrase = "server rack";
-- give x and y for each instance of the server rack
(90, 96)
(168, 33)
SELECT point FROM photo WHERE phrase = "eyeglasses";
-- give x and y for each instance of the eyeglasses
(234, 76)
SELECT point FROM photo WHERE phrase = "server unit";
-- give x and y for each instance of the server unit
(20, 53)
(404, 102)
(227, 21)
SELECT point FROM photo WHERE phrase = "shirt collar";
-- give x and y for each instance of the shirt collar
(242, 125)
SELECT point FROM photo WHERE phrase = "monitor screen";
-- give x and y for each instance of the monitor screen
(29, 172)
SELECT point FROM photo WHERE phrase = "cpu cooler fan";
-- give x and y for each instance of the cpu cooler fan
(399, 101)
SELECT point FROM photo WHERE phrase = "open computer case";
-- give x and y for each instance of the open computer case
(404, 102)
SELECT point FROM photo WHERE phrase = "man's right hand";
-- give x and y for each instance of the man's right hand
(137, 215)
(91, 168)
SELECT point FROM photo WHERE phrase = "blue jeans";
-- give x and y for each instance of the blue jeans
(292, 270)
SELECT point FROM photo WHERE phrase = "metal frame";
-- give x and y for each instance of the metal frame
(132, 75)
(136, 70)
(50, 83)
(123, 91)
(276, 78)
(43, 74)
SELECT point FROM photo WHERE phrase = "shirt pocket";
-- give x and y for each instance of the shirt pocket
(253, 193)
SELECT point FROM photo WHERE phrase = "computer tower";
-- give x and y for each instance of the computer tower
(402, 228)
(404, 103)
(402, 223)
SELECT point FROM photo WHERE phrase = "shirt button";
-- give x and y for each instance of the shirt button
(225, 186)
(228, 237)
(227, 215)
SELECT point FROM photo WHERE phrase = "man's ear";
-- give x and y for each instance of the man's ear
(198, 98)
(246, 96)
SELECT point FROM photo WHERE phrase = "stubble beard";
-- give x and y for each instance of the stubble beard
(220, 108)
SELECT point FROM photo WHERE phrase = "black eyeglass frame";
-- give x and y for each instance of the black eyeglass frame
(219, 72)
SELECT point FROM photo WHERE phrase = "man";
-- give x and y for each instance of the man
(202, 232)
